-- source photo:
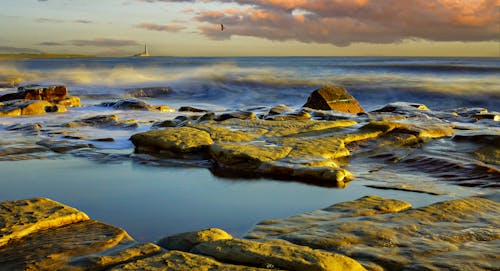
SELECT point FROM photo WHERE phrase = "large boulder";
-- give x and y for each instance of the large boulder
(333, 98)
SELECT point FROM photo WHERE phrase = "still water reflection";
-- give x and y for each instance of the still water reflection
(152, 202)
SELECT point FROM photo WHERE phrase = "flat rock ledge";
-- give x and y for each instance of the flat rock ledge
(306, 150)
(370, 233)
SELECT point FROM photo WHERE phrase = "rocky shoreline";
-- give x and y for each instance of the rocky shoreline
(329, 142)
(371, 233)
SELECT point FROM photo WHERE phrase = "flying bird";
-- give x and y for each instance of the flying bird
(221, 27)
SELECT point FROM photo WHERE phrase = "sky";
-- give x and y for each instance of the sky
(252, 28)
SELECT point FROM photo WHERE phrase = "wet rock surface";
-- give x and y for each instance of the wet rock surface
(370, 233)
(41, 234)
(425, 238)
(321, 147)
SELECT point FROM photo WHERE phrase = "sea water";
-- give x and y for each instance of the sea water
(151, 201)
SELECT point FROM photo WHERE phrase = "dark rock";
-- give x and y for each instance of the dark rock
(101, 120)
(242, 115)
(127, 104)
(167, 123)
(25, 127)
(302, 115)
(151, 92)
(469, 112)
(191, 109)
(185, 118)
(207, 116)
(104, 139)
(488, 116)
(333, 98)
(402, 107)
(279, 109)
(133, 104)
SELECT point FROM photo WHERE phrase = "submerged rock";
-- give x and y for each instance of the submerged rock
(62, 146)
(191, 109)
(333, 98)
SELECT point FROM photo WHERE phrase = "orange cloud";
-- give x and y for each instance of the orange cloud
(341, 22)
(159, 27)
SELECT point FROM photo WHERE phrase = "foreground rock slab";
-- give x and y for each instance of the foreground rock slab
(53, 248)
(20, 218)
(453, 235)
(279, 254)
(180, 261)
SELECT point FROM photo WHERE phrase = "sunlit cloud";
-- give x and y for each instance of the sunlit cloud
(103, 42)
(342, 22)
(159, 27)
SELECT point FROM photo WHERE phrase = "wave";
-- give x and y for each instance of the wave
(233, 82)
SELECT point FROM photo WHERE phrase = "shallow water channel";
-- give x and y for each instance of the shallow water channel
(152, 202)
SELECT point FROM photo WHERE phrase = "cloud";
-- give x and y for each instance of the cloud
(103, 42)
(48, 20)
(82, 21)
(342, 22)
(50, 43)
(18, 50)
(159, 27)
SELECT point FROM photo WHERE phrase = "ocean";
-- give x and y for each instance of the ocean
(151, 199)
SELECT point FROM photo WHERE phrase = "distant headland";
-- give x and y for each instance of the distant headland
(31, 56)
